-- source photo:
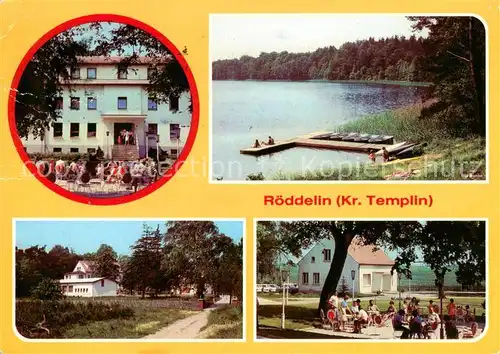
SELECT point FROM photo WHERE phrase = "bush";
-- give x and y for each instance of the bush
(47, 289)
(58, 156)
(255, 177)
(59, 315)
(225, 315)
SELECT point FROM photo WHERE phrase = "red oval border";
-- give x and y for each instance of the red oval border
(194, 116)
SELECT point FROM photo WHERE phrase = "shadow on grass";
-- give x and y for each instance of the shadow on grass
(277, 333)
(301, 315)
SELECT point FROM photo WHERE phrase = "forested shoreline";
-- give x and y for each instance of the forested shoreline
(396, 59)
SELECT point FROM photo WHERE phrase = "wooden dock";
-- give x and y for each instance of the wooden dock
(307, 141)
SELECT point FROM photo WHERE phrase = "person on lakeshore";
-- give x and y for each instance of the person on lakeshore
(385, 154)
(270, 141)
(372, 156)
(256, 145)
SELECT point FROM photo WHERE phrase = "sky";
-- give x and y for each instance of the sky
(232, 36)
(87, 236)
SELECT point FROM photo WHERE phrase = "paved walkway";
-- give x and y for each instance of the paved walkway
(189, 327)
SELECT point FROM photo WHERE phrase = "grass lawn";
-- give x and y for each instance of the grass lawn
(224, 323)
(144, 322)
(444, 158)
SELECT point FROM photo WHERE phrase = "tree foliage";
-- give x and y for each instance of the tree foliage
(442, 244)
(47, 289)
(40, 83)
(395, 58)
(106, 263)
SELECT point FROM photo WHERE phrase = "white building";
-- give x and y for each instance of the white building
(101, 100)
(372, 268)
(82, 282)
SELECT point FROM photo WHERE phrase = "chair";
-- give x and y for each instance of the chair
(470, 333)
(84, 182)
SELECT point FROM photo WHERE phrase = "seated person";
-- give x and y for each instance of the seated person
(256, 144)
(469, 315)
(373, 308)
(270, 141)
(355, 306)
(450, 328)
(416, 324)
(360, 320)
(398, 323)
(433, 316)
(391, 308)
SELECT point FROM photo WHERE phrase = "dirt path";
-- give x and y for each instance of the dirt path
(188, 327)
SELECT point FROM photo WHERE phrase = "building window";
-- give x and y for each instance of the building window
(64, 288)
(151, 72)
(122, 102)
(175, 131)
(89, 276)
(91, 103)
(367, 280)
(315, 278)
(152, 128)
(78, 268)
(75, 103)
(122, 73)
(174, 103)
(70, 289)
(59, 102)
(58, 130)
(102, 282)
(75, 73)
(74, 130)
(152, 105)
(57, 149)
(305, 278)
(173, 153)
(91, 151)
(313, 259)
(91, 73)
(75, 151)
(327, 255)
(91, 130)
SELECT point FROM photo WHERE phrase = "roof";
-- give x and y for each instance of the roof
(116, 60)
(366, 255)
(83, 281)
(362, 254)
(88, 266)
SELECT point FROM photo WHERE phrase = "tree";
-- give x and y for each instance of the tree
(442, 245)
(455, 58)
(47, 289)
(343, 287)
(106, 263)
(144, 268)
(186, 250)
(227, 274)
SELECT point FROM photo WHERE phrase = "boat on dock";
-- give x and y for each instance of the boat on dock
(354, 142)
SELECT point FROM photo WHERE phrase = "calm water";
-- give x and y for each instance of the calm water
(243, 111)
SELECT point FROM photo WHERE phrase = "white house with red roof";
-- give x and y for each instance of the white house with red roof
(103, 98)
(83, 282)
(372, 268)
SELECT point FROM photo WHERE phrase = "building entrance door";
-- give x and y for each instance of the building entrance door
(123, 127)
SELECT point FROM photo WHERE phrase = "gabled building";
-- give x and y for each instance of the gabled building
(83, 282)
(101, 100)
(372, 269)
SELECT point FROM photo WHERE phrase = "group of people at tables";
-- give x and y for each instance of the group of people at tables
(409, 319)
(111, 171)
(270, 141)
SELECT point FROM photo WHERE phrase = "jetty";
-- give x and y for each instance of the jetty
(326, 140)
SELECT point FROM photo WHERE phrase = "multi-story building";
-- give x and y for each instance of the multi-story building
(102, 99)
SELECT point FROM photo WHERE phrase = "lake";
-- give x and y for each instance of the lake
(243, 111)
